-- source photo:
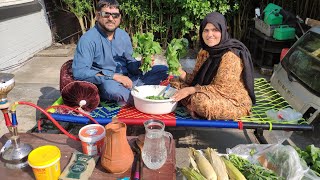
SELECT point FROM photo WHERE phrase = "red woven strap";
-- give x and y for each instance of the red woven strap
(240, 124)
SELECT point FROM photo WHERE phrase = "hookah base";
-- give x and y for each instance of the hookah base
(21, 165)
(16, 157)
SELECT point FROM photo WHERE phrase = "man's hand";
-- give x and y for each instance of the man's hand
(183, 93)
(124, 80)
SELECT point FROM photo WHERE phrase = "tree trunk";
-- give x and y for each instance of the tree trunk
(93, 19)
(83, 28)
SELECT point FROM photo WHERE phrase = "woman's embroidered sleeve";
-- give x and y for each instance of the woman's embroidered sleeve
(228, 75)
(201, 58)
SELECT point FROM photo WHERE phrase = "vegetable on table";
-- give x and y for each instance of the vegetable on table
(311, 156)
(233, 172)
(193, 163)
(176, 49)
(144, 44)
(203, 165)
(217, 163)
(192, 174)
(252, 171)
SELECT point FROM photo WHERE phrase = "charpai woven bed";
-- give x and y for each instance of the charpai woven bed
(267, 98)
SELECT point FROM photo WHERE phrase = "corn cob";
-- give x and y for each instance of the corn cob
(217, 164)
(204, 166)
(193, 164)
(192, 174)
(233, 172)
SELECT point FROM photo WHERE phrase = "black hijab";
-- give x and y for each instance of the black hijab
(209, 68)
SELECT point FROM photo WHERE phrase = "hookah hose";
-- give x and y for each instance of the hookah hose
(14, 106)
(69, 108)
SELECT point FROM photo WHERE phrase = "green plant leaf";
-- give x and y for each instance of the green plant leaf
(146, 47)
(175, 50)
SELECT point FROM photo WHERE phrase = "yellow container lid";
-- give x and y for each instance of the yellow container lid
(44, 155)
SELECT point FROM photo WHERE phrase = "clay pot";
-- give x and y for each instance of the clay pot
(117, 156)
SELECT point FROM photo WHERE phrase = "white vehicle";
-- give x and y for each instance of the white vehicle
(297, 77)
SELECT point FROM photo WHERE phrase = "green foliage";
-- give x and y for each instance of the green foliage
(166, 19)
(175, 50)
(135, 13)
(311, 155)
(252, 171)
(81, 9)
(169, 19)
(194, 12)
(145, 46)
(78, 7)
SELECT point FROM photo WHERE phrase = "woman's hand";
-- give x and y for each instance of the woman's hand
(183, 74)
(124, 80)
(183, 93)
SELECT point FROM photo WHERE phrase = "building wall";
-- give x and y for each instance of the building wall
(22, 37)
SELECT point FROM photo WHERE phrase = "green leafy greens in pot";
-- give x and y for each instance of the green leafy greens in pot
(145, 46)
(176, 49)
(156, 97)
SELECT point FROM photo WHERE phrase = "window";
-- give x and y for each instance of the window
(4, 3)
(303, 61)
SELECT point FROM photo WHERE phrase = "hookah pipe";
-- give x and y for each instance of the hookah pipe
(12, 126)
(13, 108)
(14, 153)
(7, 84)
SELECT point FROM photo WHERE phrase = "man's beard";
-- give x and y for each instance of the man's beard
(107, 30)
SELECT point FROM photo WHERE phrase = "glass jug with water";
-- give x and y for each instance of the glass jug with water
(154, 151)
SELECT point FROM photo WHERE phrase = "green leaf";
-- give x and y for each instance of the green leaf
(146, 47)
(135, 54)
(175, 50)
(316, 166)
(314, 152)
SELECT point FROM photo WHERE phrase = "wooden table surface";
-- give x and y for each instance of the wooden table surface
(67, 146)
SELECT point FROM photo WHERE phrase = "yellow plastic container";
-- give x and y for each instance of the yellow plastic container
(45, 162)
